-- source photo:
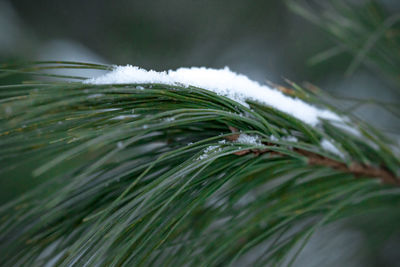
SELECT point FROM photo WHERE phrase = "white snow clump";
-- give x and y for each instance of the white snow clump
(225, 82)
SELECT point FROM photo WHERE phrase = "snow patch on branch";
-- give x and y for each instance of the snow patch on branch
(248, 139)
(209, 150)
(224, 82)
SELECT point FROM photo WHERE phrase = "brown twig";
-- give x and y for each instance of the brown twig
(357, 169)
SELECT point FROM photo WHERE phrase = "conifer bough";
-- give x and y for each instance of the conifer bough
(188, 167)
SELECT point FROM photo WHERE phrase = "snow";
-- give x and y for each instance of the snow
(248, 139)
(224, 82)
(204, 156)
(330, 147)
(289, 138)
(208, 150)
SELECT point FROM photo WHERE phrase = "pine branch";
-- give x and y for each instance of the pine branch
(161, 174)
(356, 169)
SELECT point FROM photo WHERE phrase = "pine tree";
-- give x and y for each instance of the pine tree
(159, 174)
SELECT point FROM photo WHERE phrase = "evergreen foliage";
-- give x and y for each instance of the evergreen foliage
(154, 174)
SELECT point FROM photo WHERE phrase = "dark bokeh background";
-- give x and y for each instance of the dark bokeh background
(262, 39)
(259, 38)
